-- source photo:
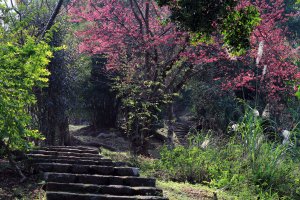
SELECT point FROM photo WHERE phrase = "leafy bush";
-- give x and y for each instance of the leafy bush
(22, 68)
(24, 58)
(140, 104)
(238, 27)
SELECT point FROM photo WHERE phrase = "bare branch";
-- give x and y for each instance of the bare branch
(53, 17)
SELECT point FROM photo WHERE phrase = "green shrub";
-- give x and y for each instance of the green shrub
(183, 164)
(249, 165)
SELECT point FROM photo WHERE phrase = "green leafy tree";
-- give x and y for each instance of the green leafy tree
(199, 15)
(237, 28)
(207, 18)
(25, 54)
(22, 68)
(38, 17)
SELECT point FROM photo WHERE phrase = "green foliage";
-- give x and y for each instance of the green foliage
(22, 68)
(249, 165)
(237, 28)
(141, 102)
(182, 164)
(197, 38)
(297, 94)
(203, 18)
(198, 15)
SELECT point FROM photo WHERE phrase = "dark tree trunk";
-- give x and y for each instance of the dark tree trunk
(64, 133)
(52, 101)
(170, 136)
(12, 162)
(52, 18)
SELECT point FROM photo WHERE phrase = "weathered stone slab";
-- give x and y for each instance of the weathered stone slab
(60, 177)
(135, 182)
(92, 179)
(126, 171)
(70, 149)
(103, 189)
(73, 187)
(62, 157)
(87, 169)
(77, 196)
(100, 179)
(64, 153)
(104, 162)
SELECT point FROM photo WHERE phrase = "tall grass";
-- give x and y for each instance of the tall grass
(249, 165)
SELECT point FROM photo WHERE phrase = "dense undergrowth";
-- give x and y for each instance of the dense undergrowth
(246, 166)
(249, 165)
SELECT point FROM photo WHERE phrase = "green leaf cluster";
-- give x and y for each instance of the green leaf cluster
(141, 101)
(237, 28)
(23, 64)
(297, 94)
(199, 15)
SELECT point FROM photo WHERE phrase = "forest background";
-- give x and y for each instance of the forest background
(220, 78)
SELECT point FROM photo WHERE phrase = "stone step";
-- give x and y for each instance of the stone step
(72, 147)
(103, 189)
(59, 153)
(103, 161)
(75, 196)
(42, 156)
(81, 161)
(99, 179)
(92, 151)
(87, 169)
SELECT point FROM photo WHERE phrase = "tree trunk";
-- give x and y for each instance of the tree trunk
(64, 133)
(52, 18)
(15, 165)
(170, 139)
(12, 162)
(135, 138)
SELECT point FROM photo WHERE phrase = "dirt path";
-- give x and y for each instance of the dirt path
(111, 139)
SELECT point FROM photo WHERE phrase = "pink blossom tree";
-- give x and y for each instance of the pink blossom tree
(268, 68)
(154, 56)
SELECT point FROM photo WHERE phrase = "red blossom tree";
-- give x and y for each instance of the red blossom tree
(135, 34)
(139, 40)
(268, 67)
(154, 56)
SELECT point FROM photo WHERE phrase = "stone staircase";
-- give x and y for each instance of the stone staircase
(81, 173)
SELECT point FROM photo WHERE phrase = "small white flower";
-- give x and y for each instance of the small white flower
(255, 113)
(205, 143)
(266, 112)
(260, 52)
(286, 136)
(265, 70)
(235, 127)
